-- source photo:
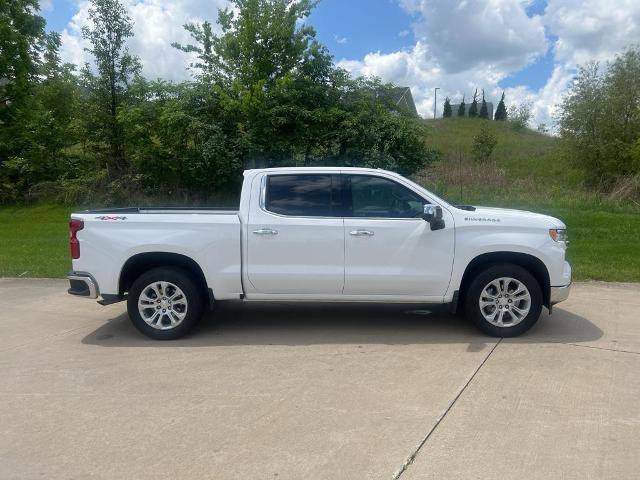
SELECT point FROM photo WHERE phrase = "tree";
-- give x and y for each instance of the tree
(261, 40)
(21, 30)
(501, 110)
(484, 113)
(519, 116)
(599, 119)
(473, 109)
(446, 112)
(461, 108)
(110, 27)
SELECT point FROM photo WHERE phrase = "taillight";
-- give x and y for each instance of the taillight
(75, 225)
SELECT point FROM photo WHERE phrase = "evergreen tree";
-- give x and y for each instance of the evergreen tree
(461, 108)
(473, 109)
(446, 112)
(501, 110)
(484, 113)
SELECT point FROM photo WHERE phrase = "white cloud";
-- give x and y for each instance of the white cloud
(46, 5)
(592, 29)
(477, 43)
(403, 33)
(340, 40)
(157, 24)
(466, 34)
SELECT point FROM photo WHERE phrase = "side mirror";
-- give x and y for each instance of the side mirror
(433, 215)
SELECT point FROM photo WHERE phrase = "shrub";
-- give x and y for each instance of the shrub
(483, 145)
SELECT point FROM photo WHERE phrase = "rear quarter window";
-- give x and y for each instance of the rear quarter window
(300, 195)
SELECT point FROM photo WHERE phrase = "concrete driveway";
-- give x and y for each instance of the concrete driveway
(318, 392)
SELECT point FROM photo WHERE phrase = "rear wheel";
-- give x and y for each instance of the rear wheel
(504, 300)
(164, 303)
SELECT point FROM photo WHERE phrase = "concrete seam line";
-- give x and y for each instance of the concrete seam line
(409, 460)
(571, 344)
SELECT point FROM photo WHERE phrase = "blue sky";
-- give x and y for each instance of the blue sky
(529, 48)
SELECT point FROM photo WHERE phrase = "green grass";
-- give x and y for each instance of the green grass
(603, 244)
(527, 172)
(34, 241)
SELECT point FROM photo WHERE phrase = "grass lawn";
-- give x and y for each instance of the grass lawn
(605, 243)
(34, 241)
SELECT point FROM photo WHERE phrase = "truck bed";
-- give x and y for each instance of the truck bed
(169, 210)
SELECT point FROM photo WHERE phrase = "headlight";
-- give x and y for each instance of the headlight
(559, 235)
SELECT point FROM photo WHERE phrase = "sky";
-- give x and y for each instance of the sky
(529, 49)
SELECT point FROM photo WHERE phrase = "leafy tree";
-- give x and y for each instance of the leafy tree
(21, 30)
(447, 112)
(461, 108)
(599, 119)
(484, 113)
(501, 110)
(519, 116)
(261, 41)
(473, 109)
(110, 27)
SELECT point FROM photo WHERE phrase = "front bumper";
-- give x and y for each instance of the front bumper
(559, 294)
(83, 284)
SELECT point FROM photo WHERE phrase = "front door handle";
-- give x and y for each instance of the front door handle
(265, 231)
(361, 233)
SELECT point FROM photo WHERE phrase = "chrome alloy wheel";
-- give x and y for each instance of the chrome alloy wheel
(162, 305)
(505, 302)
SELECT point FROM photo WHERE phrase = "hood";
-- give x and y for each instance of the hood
(523, 217)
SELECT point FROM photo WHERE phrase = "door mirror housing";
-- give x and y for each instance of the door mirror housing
(433, 215)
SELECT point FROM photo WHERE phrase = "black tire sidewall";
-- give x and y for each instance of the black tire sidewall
(178, 277)
(491, 273)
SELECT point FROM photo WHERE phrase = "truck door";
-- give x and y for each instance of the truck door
(296, 236)
(389, 248)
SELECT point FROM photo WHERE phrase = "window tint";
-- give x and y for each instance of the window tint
(379, 197)
(299, 195)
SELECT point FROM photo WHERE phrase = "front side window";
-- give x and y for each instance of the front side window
(383, 198)
(299, 195)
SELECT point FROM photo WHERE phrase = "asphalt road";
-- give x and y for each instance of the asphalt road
(318, 392)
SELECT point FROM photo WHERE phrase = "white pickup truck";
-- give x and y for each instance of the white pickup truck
(322, 234)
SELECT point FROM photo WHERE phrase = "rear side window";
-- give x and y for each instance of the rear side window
(382, 198)
(300, 195)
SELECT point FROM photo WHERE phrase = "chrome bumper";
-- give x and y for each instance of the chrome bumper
(559, 294)
(83, 284)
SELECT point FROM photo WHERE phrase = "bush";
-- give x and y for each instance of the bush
(483, 145)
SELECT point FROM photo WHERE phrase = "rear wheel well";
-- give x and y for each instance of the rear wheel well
(143, 262)
(532, 264)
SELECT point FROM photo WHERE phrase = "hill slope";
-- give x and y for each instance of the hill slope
(527, 171)
(526, 166)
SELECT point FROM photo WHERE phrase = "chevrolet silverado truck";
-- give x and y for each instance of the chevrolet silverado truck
(322, 235)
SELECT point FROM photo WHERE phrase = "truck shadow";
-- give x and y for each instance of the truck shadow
(313, 324)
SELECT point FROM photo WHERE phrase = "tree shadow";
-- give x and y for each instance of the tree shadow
(236, 323)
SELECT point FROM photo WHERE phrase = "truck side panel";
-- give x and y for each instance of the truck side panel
(211, 240)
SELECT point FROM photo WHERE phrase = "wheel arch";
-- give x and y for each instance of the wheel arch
(531, 263)
(143, 262)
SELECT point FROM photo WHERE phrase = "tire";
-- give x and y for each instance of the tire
(165, 303)
(500, 286)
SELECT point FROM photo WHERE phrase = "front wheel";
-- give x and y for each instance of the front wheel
(504, 300)
(164, 303)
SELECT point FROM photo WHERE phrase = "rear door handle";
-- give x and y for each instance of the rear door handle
(361, 233)
(265, 231)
